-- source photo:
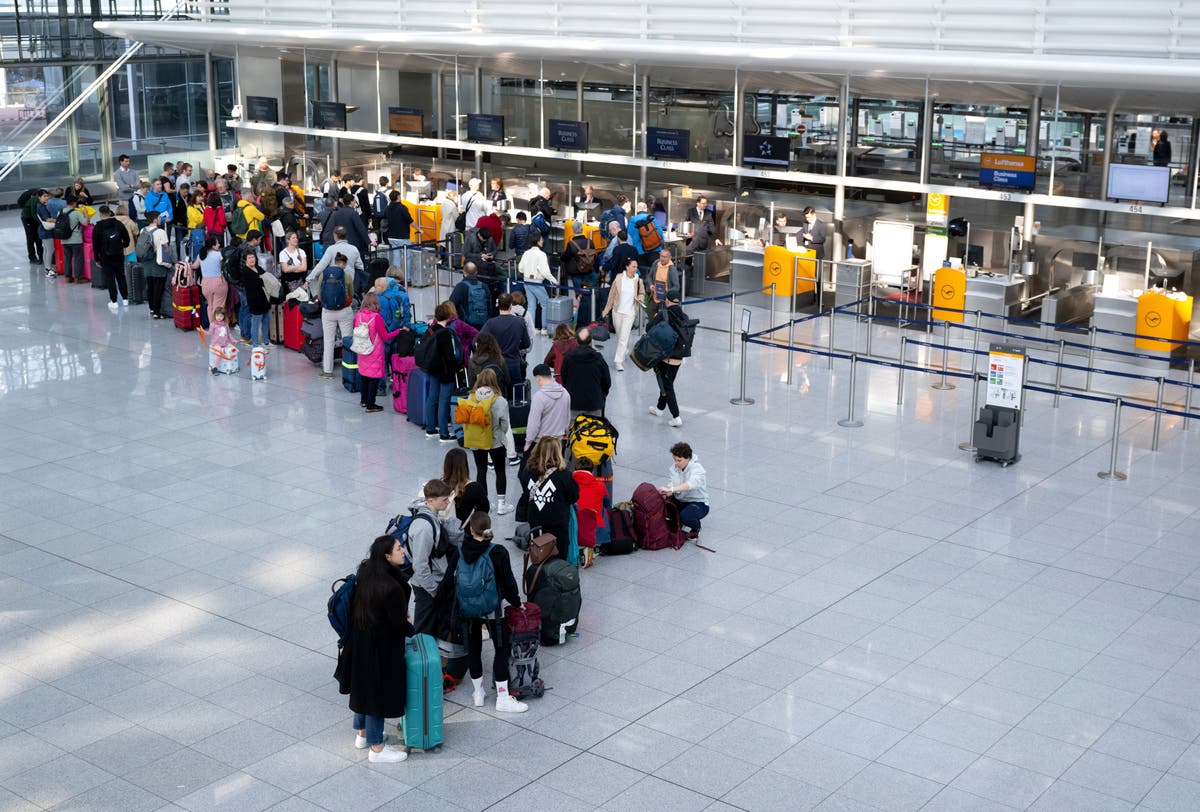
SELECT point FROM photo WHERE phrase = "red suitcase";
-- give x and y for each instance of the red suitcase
(186, 302)
(293, 320)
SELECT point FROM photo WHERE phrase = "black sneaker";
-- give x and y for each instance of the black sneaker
(375, 408)
(431, 432)
(446, 438)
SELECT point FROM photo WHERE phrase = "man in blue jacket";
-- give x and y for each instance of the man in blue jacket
(647, 246)
(157, 199)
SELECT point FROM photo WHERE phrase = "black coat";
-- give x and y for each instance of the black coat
(256, 295)
(399, 221)
(371, 666)
(586, 378)
(548, 504)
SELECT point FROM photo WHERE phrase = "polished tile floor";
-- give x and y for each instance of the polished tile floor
(885, 624)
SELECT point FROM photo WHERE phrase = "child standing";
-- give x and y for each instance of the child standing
(371, 362)
(589, 509)
(480, 577)
(485, 424)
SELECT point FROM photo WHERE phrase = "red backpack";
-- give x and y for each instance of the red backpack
(655, 520)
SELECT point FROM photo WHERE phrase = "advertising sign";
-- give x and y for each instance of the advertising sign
(1011, 171)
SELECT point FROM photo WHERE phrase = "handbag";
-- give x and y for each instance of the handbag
(277, 229)
(542, 548)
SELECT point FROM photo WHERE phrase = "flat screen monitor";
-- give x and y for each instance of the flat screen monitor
(485, 128)
(562, 134)
(406, 121)
(766, 151)
(328, 115)
(974, 255)
(1137, 182)
(263, 109)
(666, 143)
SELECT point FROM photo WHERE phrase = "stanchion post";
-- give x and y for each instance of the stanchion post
(1158, 401)
(732, 318)
(1187, 395)
(900, 381)
(404, 259)
(832, 317)
(791, 343)
(1112, 472)
(595, 314)
(771, 318)
(741, 399)
(969, 444)
(975, 342)
(437, 283)
(850, 422)
(944, 384)
(1091, 358)
(1062, 348)
(870, 332)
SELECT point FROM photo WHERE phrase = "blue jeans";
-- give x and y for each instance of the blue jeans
(536, 295)
(373, 725)
(397, 255)
(260, 330)
(437, 406)
(690, 513)
(244, 314)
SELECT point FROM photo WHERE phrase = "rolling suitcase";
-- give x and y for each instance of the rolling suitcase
(558, 311)
(525, 625)
(293, 320)
(351, 379)
(518, 413)
(402, 367)
(137, 284)
(185, 305)
(421, 267)
(89, 258)
(422, 723)
(417, 380)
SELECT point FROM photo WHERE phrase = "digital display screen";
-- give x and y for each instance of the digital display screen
(561, 134)
(262, 108)
(766, 151)
(666, 143)
(1011, 171)
(486, 128)
(1151, 184)
(406, 121)
(328, 115)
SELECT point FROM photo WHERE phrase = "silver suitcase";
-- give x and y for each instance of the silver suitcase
(559, 311)
(421, 267)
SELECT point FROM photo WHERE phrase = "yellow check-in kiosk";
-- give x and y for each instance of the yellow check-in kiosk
(949, 291)
(574, 228)
(427, 221)
(1163, 320)
(789, 269)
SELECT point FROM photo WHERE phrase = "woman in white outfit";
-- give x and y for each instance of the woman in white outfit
(535, 269)
(624, 297)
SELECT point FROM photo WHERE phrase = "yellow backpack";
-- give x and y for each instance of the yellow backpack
(475, 416)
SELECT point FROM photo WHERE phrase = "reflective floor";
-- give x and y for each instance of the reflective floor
(885, 624)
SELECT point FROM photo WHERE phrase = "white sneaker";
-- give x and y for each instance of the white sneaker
(506, 704)
(112, 306)
(654, 410)
(477, 693)
(503, 507)
(125, 302)
(360, 742)
(675, 421)
(51, 274)
(620, 367)
(388, 755)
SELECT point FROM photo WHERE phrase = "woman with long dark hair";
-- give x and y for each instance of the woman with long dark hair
(371, 664)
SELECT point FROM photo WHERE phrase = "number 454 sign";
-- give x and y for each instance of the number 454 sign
(1005, 376)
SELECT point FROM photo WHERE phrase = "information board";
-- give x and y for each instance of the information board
(667, 143)
(262, 108)
(891, 251)
(328, 115)
(1010, 171)
(564, 134)
(766, 151)
(485, 128)
(1006, 377)
(406, 121)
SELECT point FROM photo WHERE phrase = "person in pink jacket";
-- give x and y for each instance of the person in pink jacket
(371, 364)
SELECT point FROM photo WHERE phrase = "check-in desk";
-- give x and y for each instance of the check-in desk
(997, 294)
(427, 221)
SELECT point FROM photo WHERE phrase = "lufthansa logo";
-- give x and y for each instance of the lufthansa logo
(775, 268)
(947, 291)
(1153, 319)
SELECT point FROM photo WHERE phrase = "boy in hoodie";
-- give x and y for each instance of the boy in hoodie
(687, 487)
(549, 408)
(585, 376)
(428, 542)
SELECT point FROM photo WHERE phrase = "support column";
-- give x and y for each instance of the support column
(839, 192)
(72, 123)
(378, 98)
(1196, 155)
(1033, 127)
(210, 81)
(579, 117)
(542, 103)
(1109, 142)
(645, 108)
(439, 94)
(924, 133)
(336, 150)
(479, 109)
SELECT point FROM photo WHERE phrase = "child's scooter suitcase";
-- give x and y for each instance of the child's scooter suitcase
(422, 723)
(417, 381)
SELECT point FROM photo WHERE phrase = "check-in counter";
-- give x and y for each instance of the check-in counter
(427, 221)
(1163, 321)
(746, 273)
(997, 294)
(574, 228)
(789, 271)
(1115, 311)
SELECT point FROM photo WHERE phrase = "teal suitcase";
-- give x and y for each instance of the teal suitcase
(422, 723)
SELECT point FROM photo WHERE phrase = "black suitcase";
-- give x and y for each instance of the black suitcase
(518, 413)
(99, 278)
(137, 284)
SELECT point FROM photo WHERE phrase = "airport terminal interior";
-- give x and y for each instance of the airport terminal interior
(952, 451)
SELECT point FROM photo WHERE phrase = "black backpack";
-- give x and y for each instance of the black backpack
(109, 245)
(63, 227)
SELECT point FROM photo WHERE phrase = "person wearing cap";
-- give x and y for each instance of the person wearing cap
(549, 408)
(666, 370)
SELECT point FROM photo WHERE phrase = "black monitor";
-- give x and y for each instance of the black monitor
(567, 135)
(974, 256)
(666, 143)
(766, 151)
(406, 121)
(327, 115)
(485, 128)
(263, 109)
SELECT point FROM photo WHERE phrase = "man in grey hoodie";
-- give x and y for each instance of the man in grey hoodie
(549, 408)
(426, 536)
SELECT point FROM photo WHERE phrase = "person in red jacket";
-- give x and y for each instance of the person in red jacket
(589, 508)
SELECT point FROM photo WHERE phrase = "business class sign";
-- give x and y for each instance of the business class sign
(1011, 171)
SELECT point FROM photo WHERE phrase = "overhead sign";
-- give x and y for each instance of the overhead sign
(562, 134)
(406, 121)
(262, 108)
(328, 115)
(766, 151)
(485, 128)
(1012, 171)
(662, 142)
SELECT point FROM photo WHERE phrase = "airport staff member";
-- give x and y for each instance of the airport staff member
(706, 226)
(778, 237)
(813, 231)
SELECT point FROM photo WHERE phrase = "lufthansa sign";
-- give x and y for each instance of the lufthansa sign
(1013, 171)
